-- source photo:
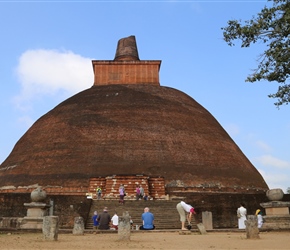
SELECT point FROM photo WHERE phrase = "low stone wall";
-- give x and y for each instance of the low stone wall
(222, 205)
(66, 207)
(10, 222)
(276, 222)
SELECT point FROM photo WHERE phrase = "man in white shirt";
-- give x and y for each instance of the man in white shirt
(242, 216)
(182, 209)
(115, 221)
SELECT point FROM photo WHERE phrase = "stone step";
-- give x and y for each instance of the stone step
(165, 213)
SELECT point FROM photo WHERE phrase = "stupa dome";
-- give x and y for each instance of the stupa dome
(127, 124)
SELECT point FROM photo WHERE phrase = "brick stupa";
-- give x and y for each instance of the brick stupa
(127, 125)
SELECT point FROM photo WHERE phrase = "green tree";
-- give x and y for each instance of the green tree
(271, 26)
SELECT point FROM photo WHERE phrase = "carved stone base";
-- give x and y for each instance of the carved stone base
(32, 223)
(35, 213)
(276, 207)
(275, 222)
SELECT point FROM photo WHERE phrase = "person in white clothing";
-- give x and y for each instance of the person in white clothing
(242, 216)
(259, 218)
(182, 209)
(115, 221)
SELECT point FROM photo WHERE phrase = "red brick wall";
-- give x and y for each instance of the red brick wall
(153, 186)
(126, 72)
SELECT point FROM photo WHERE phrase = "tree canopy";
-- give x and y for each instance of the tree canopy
(271, 26)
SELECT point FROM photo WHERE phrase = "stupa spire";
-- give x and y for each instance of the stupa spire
(126, 68)
(127, 49)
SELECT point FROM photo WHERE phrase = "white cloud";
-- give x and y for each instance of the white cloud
(264, 146)
(275, 180)
(43, 72)
(269, 160)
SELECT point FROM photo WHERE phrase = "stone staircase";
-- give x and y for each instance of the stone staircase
(165, 213)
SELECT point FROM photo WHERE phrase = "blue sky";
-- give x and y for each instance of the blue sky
(47, 47)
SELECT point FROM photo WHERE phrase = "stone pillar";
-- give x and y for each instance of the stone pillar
(207, 220)
(124, 227)
(252, 230)
(50, 227)
(79, 226)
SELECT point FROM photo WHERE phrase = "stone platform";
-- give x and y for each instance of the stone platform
(276, 222)
(277, 215)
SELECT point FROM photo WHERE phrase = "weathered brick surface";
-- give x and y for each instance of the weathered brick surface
(126, 72)
(130, 130)
(153, 186)
(156, 187)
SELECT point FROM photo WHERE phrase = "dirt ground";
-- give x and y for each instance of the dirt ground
(148, 240)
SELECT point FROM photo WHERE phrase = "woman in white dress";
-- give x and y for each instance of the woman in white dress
(259, 218)
(242, 216)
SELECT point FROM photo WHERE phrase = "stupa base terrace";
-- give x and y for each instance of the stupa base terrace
(71, 201)
(154, 187)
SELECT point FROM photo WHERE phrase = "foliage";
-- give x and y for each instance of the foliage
(271, 26)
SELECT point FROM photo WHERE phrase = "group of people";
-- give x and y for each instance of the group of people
(242, 217)
(186, 212)
(140, 194)
(103, 221)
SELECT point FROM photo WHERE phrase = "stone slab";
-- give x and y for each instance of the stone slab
(79, 226)
(207, 220)
(277, 211)
(252, 231)
(32, 223)
(36, 205)
(50, 227)
(124, 227)
(36, 212)
(271, 204)
(201, 228)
